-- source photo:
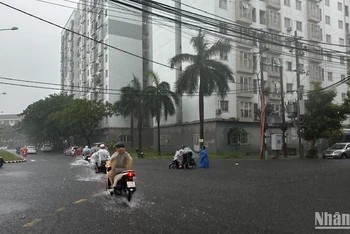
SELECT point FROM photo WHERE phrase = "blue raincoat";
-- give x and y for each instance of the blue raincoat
(204, 160)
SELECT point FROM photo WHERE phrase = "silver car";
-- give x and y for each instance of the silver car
(338, 150)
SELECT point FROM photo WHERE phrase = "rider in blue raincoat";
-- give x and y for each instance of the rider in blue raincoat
(204, 160)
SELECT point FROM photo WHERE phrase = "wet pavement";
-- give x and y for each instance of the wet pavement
(53, 193)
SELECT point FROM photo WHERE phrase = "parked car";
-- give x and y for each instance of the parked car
(31, 149)
(46, 148)
(96, 146)
(71, 150)
(338, 150)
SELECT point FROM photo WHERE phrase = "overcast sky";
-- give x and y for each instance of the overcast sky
(31, 53)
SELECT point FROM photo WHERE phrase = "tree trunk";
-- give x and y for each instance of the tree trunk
(201, 115)
(158, 135)
(132, 129)
(313, 143)
(140, 131)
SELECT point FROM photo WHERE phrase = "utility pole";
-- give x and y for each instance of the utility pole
(178, 50)
(262, 99)
(284, 126)
(299, 93)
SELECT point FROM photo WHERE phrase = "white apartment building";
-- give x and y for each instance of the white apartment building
(317, 22)
(92, 70)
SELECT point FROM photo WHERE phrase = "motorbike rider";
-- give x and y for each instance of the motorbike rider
(86, 151)
(102, 156)
(119, 162)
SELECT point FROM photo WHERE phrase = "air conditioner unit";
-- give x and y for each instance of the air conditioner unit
(218, 111)
(289, 29)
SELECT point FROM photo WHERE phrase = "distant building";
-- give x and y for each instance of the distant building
(10, 119)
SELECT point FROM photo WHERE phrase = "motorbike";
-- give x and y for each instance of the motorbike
(1, 161)
(87, 157)
(125, 186)
(102, 169)
(140, 154)
(188, 156)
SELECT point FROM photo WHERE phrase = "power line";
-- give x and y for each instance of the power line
(82, 35)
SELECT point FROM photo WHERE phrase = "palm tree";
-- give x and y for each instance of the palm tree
(204, 74)
(131, 104)
(159, 100)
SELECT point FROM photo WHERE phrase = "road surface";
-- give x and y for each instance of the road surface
(53, 193)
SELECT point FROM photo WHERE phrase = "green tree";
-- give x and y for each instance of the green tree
(131, 103)
(323, 118)
(83, 116)
(204, 75)
(36, 124)
(159, 100)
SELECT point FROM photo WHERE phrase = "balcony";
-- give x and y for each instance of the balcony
(243, 12)
(245, 110)
(274, 44)
(245, 86)
(273, 20)
(244, 61)
(273, 69)
(315, 73)
(315, 54)
(244, 38)
(313, 12)
(314, 32)
(276, 4)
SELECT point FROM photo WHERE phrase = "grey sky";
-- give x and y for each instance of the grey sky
(31, 53)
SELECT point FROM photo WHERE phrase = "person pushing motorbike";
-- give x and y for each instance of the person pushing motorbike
(120, 161)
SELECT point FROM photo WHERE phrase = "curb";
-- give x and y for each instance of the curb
(17, 161)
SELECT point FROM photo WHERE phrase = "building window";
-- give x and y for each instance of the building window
(327, 3)
(340, 6)
(262, 17)
(224, 105)
(298, 5)
(289, 66)
(244, 10)
(237, 139)
(106, 12)
(329, 57)
(255, 86)
(245, 60)
(223, 56)
(106, 73)
(245, 84)
(254, 14)
(299, 26)
(106, 120)
(342, 77)
(223, 28)
(287, 22)
(301, 89)
(328, 38)
(124, 138)
(342, 60)
(330, 76)
(246, 109)
(289, 87)
(328, 20)
(341, 41)
(287, 2)
(223, 4)
(106, 58)
(340, 24)
(346, 10)
(343, 95)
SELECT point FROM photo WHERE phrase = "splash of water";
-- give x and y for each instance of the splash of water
(80, 162)
(93, 177)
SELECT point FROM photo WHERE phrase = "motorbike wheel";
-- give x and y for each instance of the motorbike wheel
(129, 195)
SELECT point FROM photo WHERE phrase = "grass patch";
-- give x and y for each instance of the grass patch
(7, 156)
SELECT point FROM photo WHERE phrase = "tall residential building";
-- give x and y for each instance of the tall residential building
(323, 27)
(93, 70)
